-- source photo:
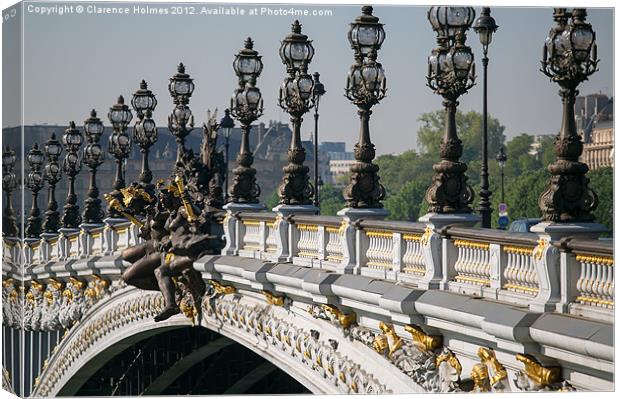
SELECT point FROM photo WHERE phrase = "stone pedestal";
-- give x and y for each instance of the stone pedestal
(232, 229)
(287, 236)
(32, 251)
(50, 249)
(68, 242)
(547, 259)
(352, 238)
(439, 253)
(91, 239)
(111, 234)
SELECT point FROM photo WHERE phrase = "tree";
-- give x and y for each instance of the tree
(469, 129)
(406, 203)
(331, 200)
(522, 194)
(602, 182)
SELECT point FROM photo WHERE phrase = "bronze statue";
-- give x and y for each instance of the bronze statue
(177, 227)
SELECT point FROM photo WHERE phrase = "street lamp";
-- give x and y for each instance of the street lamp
(145, 131)
(227, 124)
(485, 27)
(9, 184)
(246, 105)
(119, 145)
(181, 120)
(501, 160)
(319, 91)
(93, 157)
(72, 140)
(296, 97)
(451, 73)
(569, 58)
(52, 173)
(366, 86)
(34, 182)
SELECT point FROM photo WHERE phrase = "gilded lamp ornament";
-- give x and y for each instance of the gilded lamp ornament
(366, 86)
(34, 182)
(451, 73)
(246, 106)
(72, 140)
(93, 157)
(119, 146)
(9, 184)
(569, 58)
(296, 98)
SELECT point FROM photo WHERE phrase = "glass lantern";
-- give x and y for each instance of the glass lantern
(143, 100)
(296, 51)
(181, 86)
(247, 64)
(448, 21)
(120, 115)
(366, 33)
(53, 149)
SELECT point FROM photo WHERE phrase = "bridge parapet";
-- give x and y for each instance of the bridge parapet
(572, 275)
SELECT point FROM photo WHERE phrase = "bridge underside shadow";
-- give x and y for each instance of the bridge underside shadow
(180, 361)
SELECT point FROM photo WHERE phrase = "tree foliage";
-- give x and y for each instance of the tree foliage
(469, 128)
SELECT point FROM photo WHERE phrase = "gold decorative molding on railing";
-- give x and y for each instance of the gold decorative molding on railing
(513, 249)
(250, 222)
(412, 237)
(539, 250)
(596, 301)
(273, 299)
(222, 289)
(518, 287)
(427, 343)
(603, 260)
(474, 280)
(308, 227)
(471, 244)
(379, 233)
(428, 232)
(541, 375)
(345, 320)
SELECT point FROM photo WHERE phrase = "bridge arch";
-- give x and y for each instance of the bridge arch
(310, 350)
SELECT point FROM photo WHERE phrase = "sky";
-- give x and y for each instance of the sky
(75, 62)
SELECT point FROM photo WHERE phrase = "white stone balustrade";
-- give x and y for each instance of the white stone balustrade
(333, 249)
(380, 252)
(413, 259)
(472, 265)
(308, 245)
(595, 285)
(520, 271)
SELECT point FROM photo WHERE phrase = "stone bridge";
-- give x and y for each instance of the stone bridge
(340, 305)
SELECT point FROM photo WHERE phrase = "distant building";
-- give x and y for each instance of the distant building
(594, 120)
(331, 151)
(339, 168)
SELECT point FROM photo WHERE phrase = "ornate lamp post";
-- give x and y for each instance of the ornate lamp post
(569, 58)
(53, 149)
(145, 130)
(366, 86)
(246, 106)
(318, 92)
(72, 140)
(181, 120)
(226, 124)
(501, 160)
(296, 98)
(451, 73)
(93, 157)
(34, 182)
(119, 145)
(485, 27)
(9, 184)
